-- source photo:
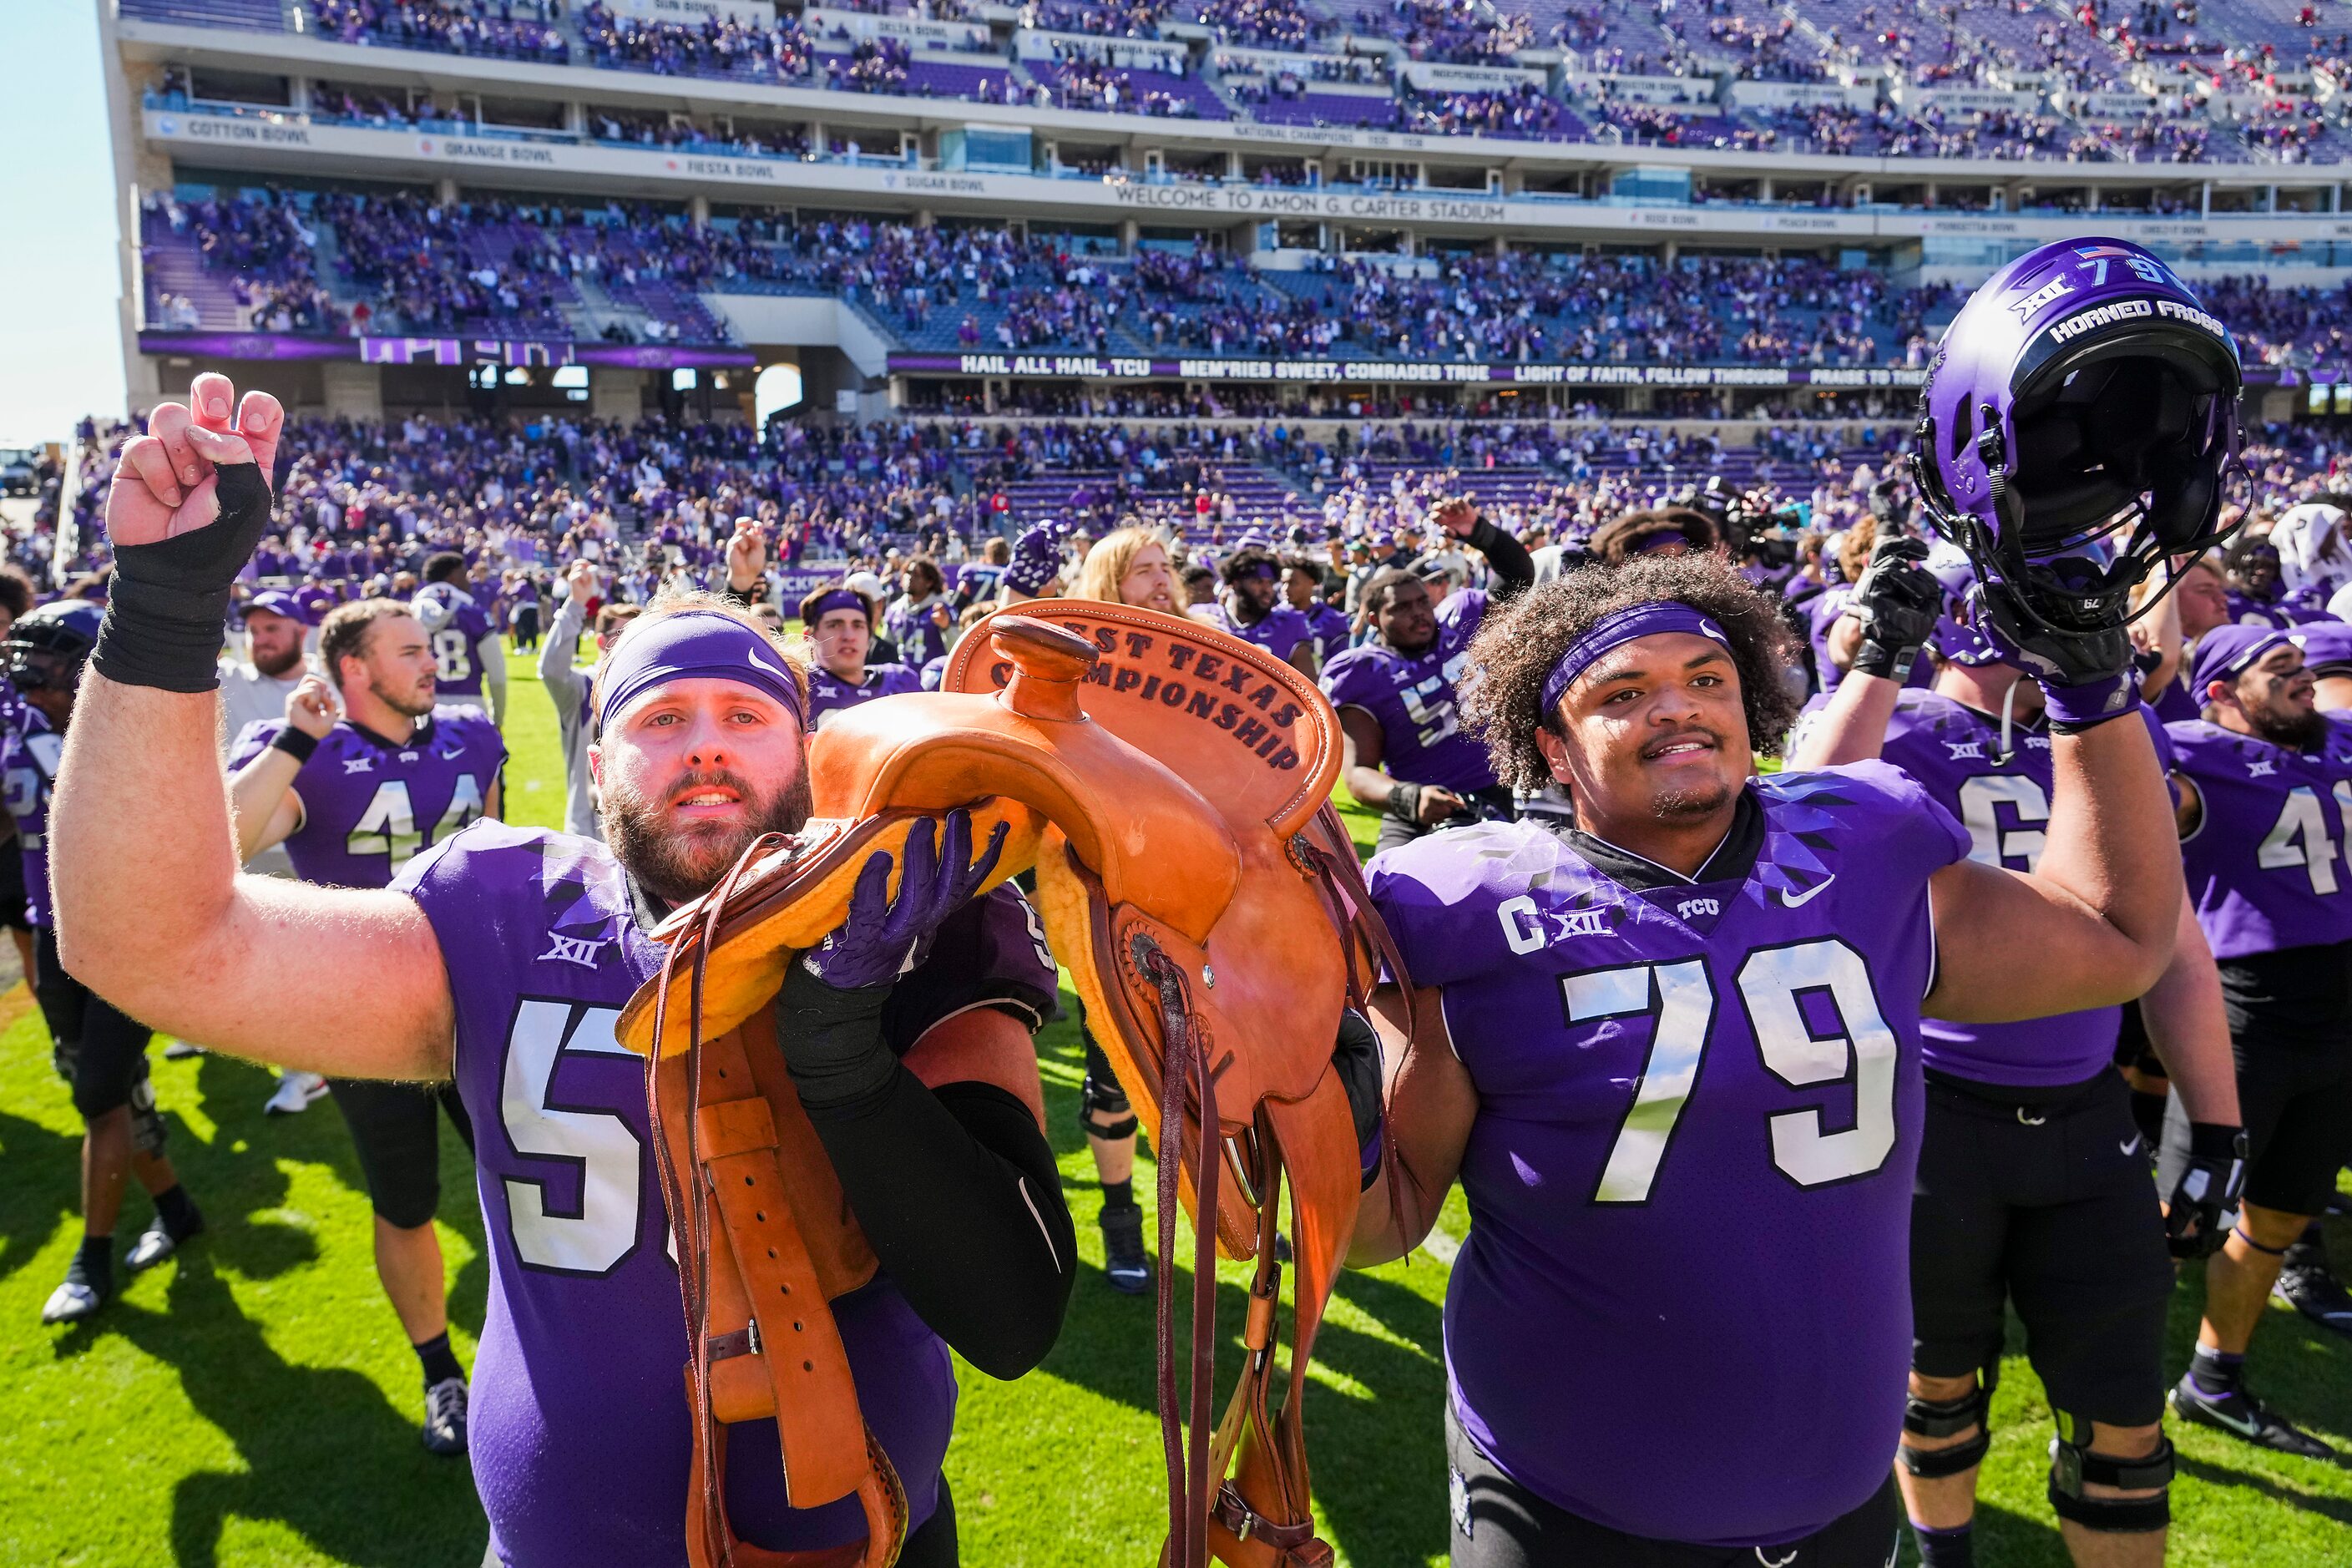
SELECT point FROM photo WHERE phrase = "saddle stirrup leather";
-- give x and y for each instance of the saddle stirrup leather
(1170, 784)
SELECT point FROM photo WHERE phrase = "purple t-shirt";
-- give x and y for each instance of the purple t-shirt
(370, 803)
(2264, 864)
(457, 627)
(30, 752)
(1411, 698)
(579, 1427)
(828, 693)
(1281, 631)
(1683, 1309)
(1954, 751)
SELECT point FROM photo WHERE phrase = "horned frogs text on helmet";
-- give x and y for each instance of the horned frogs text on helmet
(2076, 428)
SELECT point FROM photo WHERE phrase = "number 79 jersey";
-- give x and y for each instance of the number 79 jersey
(371, 805)
(2266, 863)
(1682, 1310)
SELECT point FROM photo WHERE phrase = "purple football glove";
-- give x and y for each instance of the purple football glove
(2086, 679)
(883, 937)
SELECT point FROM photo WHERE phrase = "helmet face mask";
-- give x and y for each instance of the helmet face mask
(2077, 429)
(45, 647)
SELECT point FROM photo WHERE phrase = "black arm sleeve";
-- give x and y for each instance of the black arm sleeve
(957, 1191)
(1514, 567)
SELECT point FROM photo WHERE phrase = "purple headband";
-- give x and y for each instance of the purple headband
(839, 599)
(1619, 627)
(694, 645)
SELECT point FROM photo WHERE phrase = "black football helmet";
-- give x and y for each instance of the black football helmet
(46, 646)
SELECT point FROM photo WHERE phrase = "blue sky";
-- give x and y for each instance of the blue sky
(60, 348)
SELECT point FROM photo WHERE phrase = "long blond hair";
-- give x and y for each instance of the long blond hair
(1107, 565)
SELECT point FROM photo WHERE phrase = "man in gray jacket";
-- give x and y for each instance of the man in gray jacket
(567, 687)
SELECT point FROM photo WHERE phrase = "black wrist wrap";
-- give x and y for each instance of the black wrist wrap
(295, 743)
(167, 606)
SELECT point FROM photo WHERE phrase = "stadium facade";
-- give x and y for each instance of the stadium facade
(434, 184)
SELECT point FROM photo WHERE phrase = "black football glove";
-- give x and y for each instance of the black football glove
(1357, 1057)
(2203, 1208)
(1897, 602)
(2086, 678)
(168, 604)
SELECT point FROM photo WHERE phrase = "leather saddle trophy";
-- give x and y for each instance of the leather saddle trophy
(1170, 786)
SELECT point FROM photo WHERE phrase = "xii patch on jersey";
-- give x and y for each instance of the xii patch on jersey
(1690, 1175)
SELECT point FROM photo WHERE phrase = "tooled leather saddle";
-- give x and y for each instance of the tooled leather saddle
(1170, 786)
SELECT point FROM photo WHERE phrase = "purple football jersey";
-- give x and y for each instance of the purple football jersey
(1683, 1309)
(1281, 631)
(579, 1428)
(370, 805)
(2249, 611)
(30, 752)
(1411, 697)
(456, 626)
(828, 693)
(2263, 862)
(1328, 629)
(1955, 753)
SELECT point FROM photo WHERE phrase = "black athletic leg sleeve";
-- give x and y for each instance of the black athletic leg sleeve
(957, 1191)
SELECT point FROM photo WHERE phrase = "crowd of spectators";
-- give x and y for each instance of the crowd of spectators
(1526, 112)
(520, 30)
(778, 52)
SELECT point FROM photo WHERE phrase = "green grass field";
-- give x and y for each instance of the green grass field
(255, 1403)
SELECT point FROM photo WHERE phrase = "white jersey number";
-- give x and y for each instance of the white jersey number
(599, 1228)
(1988, 844)
(453, 661)
(1681, 999)
(388, 826)
(2300, 837)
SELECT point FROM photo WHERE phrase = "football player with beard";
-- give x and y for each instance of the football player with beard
(1404, 754)
(500, 959)
(354, 800)
(2264, 781)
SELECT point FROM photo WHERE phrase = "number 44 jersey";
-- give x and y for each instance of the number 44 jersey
(371, 805)
(2265, 861)
(1683, 1308)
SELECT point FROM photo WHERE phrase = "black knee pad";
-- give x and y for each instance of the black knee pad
(1947, 1418)
(2072, 1464)
(1103, 1109)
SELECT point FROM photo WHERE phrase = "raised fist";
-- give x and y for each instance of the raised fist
(581, 578)
(747, 555)
(169, 483)
(1457, 516)
(311, 707)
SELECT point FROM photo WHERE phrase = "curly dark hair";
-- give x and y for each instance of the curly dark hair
(1522, 638)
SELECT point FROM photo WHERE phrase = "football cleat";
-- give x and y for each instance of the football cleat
(1124, 1263)
(294, 1093)
(2240, 1415)
(444, 1416)
(156, 1243)
(77, 1298)
(2318, 1294)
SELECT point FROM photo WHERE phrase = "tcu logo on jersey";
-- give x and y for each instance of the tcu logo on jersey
(1690, 907)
